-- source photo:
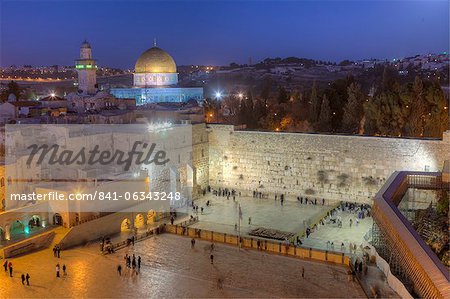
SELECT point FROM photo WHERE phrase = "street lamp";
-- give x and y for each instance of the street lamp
(218, 94)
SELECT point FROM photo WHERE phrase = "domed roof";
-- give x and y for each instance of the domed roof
(155, 60)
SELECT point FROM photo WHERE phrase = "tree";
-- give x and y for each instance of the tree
(315, 102)
(266, 88)
(282, 95)
(249, 105)
(353, 110)
(12, 88)
(418, 109)
(260, 110)
(345, 62)
(246, 111)
(324, 122)
(437, 120)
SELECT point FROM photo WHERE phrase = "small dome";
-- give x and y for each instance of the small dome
(155, 60)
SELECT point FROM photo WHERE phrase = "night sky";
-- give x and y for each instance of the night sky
(215, 32)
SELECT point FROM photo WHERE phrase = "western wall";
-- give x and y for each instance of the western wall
(337, 167)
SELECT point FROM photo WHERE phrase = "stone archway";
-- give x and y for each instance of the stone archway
(57, 219)
(17, 228)
(139, 221)
(125, 225)
(2, 234)
(35, 221)
(151, 216)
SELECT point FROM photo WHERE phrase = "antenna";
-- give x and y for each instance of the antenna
(154, 42)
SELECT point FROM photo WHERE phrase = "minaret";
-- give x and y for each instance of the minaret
(86, 68)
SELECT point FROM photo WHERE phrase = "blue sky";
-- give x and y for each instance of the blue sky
(220, 32)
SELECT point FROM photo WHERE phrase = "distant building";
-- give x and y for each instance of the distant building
(155, 80)
(86, 68)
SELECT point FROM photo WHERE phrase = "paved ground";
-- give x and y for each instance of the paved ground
(337, 235)
(222, 215)
(172, 269)
(291, 217)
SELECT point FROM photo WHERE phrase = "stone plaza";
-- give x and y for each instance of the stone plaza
(172, 269)
(222, 216)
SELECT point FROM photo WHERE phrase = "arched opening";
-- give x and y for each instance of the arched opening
(151, 216)
(125, 225)
(139, 221)
(7, 232)
(35, 221)
(2, 234)
(17, 228)
(57, 219)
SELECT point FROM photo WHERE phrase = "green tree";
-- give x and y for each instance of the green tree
(353, 110)
(266, 88)
(315, 102)
(283, 96)
(249, 105)
(417, 110)
(437, 120)
(324, 122)
(12, 88)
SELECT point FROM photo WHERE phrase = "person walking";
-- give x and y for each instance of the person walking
(10, 267)
(192, 242)
(303, 272)
(139, 262)
(5, 265)
(64, 269)
(23, 279)
(212, 258)
(249, 220)
(57, 270)
(119, 270)
(28, 279)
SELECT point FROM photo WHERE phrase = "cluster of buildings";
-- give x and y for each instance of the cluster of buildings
(155, 81)
(200, 155)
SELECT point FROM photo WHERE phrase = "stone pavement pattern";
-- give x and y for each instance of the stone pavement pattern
(222, 215)
(291, 217)
(170, 268)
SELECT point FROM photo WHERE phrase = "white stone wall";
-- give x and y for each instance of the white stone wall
(335, 167)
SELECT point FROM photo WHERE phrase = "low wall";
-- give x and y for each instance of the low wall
(266, 245)
(29, 245)
(392, 281)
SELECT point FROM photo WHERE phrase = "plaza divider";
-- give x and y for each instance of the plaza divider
(278, 247)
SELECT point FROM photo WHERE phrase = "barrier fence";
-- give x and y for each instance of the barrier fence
(148, 234)
(265, 245)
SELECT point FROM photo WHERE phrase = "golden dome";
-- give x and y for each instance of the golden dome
(155, 60)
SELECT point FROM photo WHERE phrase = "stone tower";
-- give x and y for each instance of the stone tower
(86, 68)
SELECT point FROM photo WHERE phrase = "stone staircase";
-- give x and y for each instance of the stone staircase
(60, 233)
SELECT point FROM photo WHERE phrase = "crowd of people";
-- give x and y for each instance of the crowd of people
(334, 218)
(132, 264)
